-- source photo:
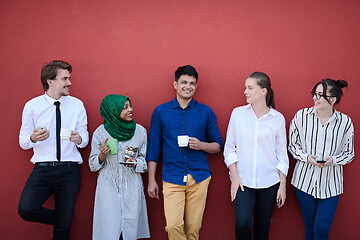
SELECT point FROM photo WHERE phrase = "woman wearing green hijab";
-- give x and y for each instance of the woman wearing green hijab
(120, 207)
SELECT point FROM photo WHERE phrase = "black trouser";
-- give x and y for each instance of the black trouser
(263, 201)
(64, 182)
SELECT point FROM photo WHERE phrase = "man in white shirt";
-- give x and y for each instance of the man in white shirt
(56, 159)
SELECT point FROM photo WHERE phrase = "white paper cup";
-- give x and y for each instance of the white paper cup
(65, 133)
(183, 140)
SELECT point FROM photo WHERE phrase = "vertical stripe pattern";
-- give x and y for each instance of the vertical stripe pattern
(335, 138)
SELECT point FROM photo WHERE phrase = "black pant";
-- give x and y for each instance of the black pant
(62, 181)
(263, 201)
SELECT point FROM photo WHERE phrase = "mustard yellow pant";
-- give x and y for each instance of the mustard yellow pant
(184, 207)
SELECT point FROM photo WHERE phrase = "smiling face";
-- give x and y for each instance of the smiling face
(185, 87)
(59, 86)
(253, 92)
(322, 104)
(126, 113)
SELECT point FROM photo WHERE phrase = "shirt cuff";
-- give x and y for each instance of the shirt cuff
(230, 159)
(141, 167)
(26, 143)
(282, 168)
(82, 144)
(303, 156)
(96, 166)
(151, 160)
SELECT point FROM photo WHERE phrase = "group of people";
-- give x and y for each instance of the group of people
(182, 133)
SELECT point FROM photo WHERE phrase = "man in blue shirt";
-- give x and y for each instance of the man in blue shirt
(186, 174)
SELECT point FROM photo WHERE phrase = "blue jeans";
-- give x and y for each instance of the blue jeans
(64, 183)
(318, 214)
(249, 222)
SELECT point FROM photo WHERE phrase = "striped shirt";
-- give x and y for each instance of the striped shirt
(335, 138)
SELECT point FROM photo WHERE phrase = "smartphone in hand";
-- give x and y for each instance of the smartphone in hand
(320, 160)
(128, 163)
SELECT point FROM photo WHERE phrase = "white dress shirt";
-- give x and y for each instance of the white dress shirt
(335, 138)
(257, 146)
(40, 112)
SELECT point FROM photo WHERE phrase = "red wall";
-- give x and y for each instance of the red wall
(133, 48)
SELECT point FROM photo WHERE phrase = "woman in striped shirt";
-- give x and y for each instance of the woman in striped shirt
(321, 139)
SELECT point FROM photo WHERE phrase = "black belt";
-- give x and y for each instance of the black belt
(54, 164)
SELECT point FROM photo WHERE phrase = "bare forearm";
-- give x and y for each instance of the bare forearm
(101, 157)
(282, 179)
(233, 171)
(212, 147)
(151, 170)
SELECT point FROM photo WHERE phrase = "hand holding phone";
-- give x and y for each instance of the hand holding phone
(320, 160)
(127, 163)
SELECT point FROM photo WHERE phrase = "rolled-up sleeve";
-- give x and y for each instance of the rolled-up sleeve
(141, 165)
(230, 155)
(346, 154)
(295, 141)
(280, 148)
(212, 131)
(81, 128)
(154, 144)
(95, 151)
(27, 128)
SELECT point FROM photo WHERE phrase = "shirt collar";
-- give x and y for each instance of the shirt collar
(175, 103)
(51, 100)
(336, 114)
(270, 113)
(311, 110)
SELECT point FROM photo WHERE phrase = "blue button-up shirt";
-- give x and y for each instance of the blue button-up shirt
(169, 121)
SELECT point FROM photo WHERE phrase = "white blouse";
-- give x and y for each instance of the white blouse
(257, 146)
(335, 138)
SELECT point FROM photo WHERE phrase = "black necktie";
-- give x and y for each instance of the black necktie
(58, 127)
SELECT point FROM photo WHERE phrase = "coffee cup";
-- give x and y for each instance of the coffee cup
(113, 144)
(65, 133)
(183, 140)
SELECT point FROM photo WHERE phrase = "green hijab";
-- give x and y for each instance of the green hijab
(110, 109)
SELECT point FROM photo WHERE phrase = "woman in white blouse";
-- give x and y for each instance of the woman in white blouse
(256, 155)
(321, 139)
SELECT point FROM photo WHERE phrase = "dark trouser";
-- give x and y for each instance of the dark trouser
(62, 181)
(318, 214)
(263, 200)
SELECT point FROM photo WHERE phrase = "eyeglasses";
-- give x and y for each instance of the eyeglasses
(319, 95)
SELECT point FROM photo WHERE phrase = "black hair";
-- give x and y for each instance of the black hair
(186, 70)
(333, 87)
(49, 71)
(263, 81)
